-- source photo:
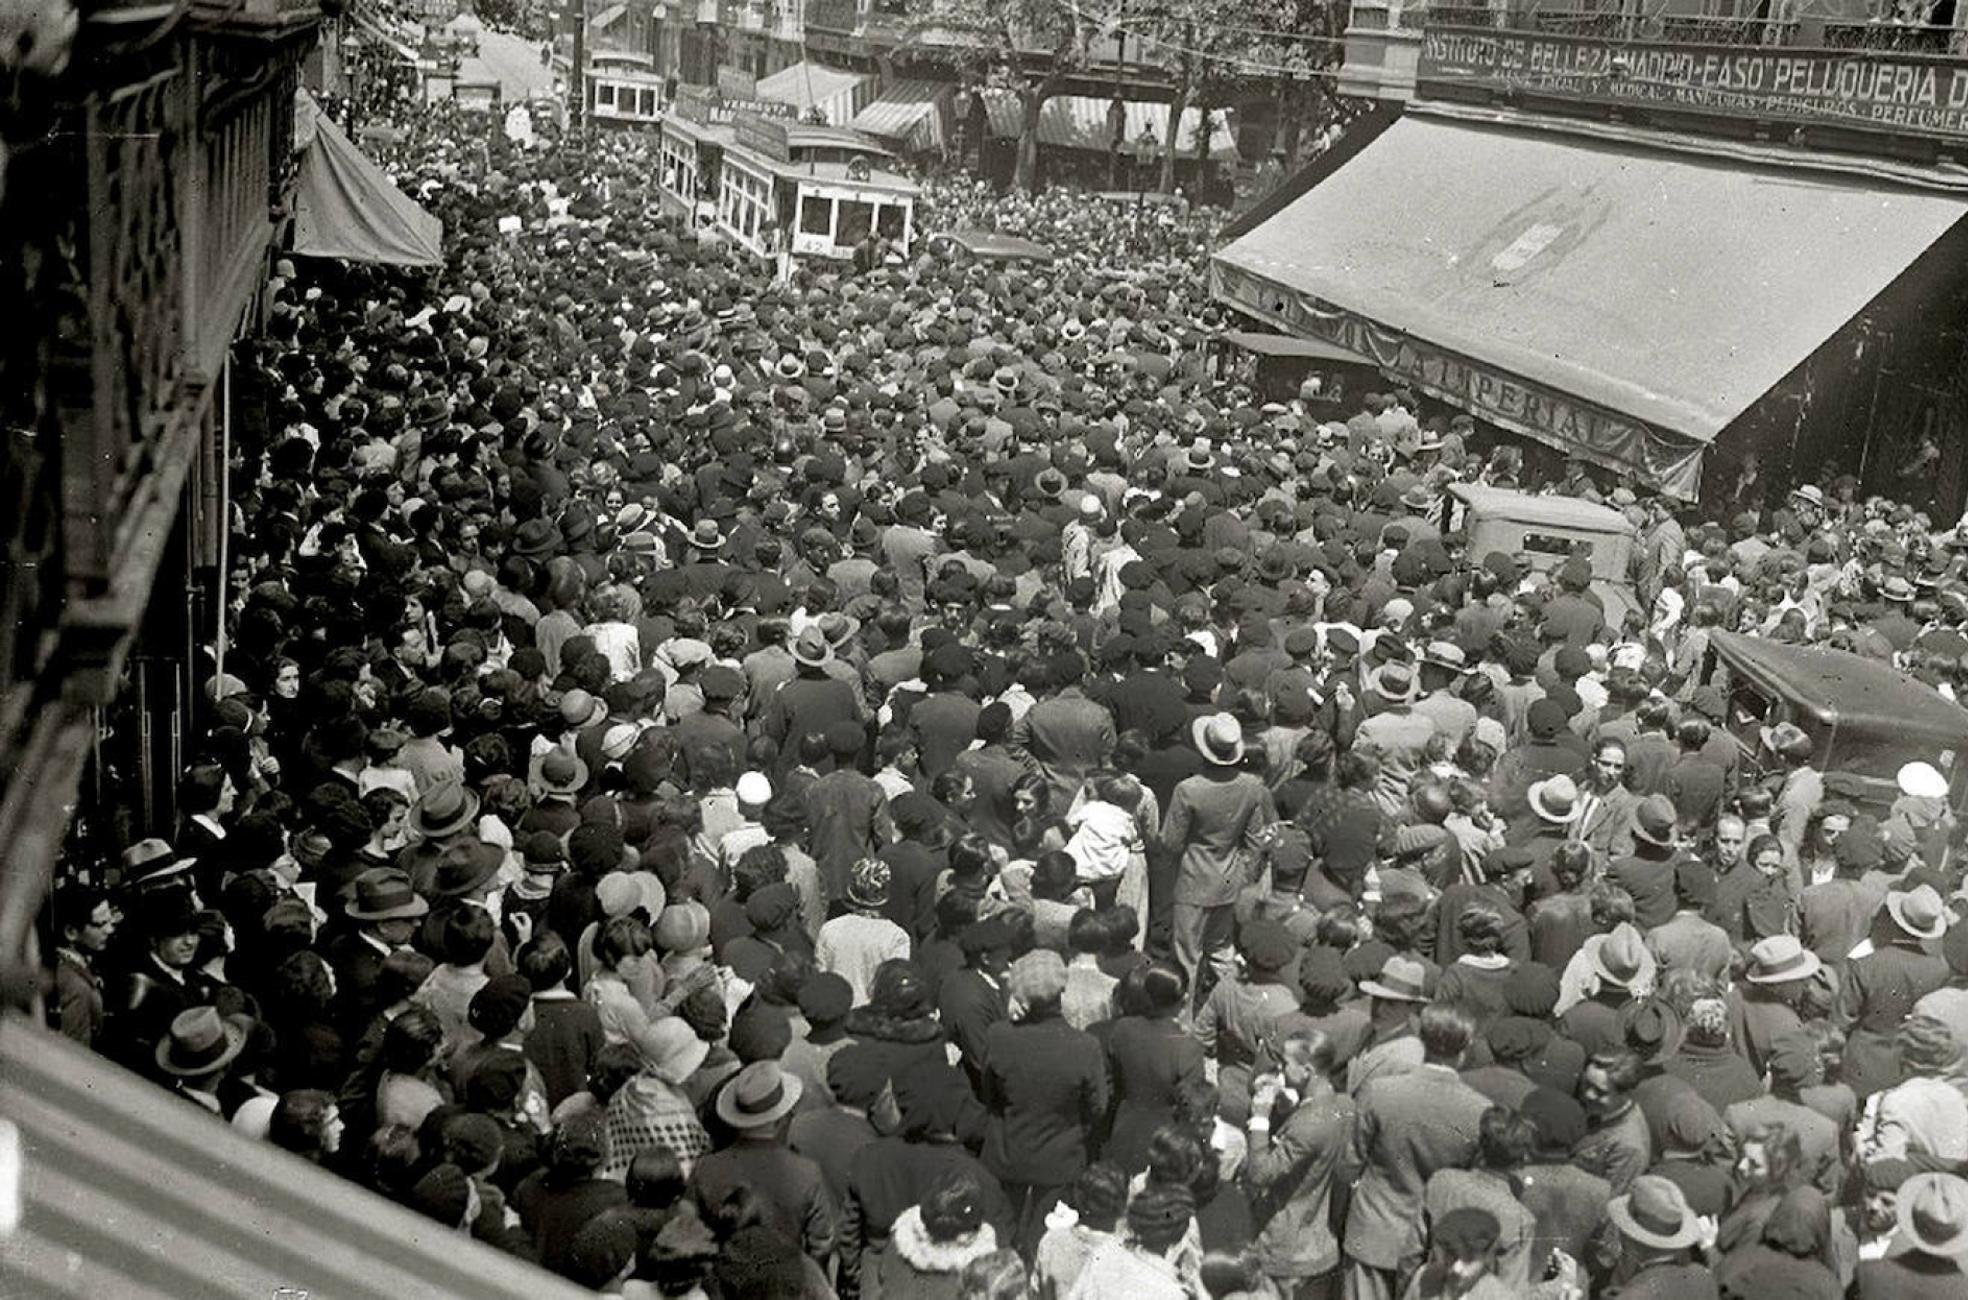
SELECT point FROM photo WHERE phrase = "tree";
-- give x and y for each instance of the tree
(1212, 48)
(1023, 48)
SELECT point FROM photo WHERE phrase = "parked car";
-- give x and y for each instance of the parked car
(965, 246)
(1545, 531)
(1865, 717)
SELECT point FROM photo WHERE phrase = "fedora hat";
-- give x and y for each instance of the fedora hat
(760, 1094)
(1655, 1213)
(1933, 1214)
(1219, 738)
(1918, 911)
(580, 709)
(1652, 1029)
(1919, 780)
(536, 537)
(1556, 799)
(1401, 979)
(1394, 682)
(153, 861)
(443, 810)
(1897, 588)
(465, 866)
(1653, 821)
(1783, 737)
(1620, 957)
(384, 894)
(200, 1041)
(1780, 959)
(707, 536)
(561, 772)
(1810, 494)
(811, 648)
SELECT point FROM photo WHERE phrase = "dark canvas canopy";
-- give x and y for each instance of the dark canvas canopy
(344, 206)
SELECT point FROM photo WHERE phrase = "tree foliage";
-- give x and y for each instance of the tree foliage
(1022, 48)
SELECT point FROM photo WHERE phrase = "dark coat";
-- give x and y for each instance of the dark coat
(1150, 1060)
(889, 1175)
(1045, 1086)
(970, 1005)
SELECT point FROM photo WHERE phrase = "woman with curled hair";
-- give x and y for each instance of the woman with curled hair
(307, 1122)
(1149, 1057)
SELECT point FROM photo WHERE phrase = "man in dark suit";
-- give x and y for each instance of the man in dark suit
(1406, 1127)
(385, 911)
(972, 1000)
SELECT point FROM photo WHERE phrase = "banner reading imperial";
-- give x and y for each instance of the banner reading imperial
(1883, 92)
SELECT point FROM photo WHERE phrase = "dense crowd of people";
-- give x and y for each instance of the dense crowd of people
(919, 782)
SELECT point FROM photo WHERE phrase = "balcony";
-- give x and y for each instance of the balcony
(1822, 81)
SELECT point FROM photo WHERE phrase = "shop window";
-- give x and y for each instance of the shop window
(816, 216)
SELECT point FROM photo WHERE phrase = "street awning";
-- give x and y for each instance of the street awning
(837, 93)
(1080, 122)
(909, 111)
(1620, 303)
(1290, 347)
(346, 207)
(127, 1190)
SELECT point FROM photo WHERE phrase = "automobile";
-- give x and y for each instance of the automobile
(1866, 718)
(987, 246)
(1282, 365)
(1543, 532)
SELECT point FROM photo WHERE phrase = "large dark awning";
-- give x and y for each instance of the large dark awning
(1621, 302)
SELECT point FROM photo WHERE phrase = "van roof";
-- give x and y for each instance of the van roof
(1569, 512)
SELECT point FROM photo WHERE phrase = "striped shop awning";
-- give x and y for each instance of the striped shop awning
(124, 1190)
(1080, 122)
(912, 112)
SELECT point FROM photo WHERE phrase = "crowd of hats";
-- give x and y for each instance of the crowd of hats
(612, 417)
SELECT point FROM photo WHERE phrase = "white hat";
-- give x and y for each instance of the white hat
(754, 788)
(1090, 506)
(1922, 781)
